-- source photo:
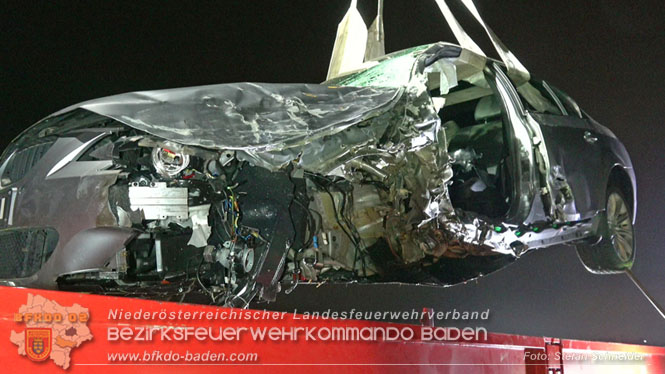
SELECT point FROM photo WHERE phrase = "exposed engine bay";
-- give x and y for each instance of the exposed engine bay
(209, 223)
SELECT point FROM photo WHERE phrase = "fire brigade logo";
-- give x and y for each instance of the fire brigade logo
(50, 330)
(38, 347)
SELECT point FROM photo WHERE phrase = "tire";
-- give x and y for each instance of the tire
(614, 249)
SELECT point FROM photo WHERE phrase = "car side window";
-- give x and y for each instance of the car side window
(568, 103)
(537, 98)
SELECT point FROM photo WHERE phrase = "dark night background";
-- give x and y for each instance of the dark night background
(609, 55)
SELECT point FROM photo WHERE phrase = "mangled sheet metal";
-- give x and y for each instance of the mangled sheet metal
(273, 124)
(247, 116)
(258, 120)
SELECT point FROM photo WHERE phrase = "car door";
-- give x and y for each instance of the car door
(593, 173)
(571, 146)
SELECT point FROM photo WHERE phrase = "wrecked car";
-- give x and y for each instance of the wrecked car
(432, 165)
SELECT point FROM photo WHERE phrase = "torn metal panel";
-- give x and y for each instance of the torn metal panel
(272, 124)
(245, 116)
(442, 75)
(201, 231)
(159, 201)
(394, 70)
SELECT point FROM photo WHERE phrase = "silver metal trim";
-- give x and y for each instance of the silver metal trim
(158, 255)
(72, 155)
(159, 201)
(10, 216)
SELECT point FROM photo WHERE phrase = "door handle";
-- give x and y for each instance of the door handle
(589, 138)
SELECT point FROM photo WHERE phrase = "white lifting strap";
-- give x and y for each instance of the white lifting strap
(353, 47)
(516, 70)
(350, 43)
(376, 39)
(462, 37)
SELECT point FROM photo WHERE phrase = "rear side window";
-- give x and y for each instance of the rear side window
(536, 98)
(568, 103)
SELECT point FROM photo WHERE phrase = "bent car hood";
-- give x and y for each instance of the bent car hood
(254, 117)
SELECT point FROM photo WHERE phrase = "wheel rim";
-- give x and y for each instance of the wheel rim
(620, 226)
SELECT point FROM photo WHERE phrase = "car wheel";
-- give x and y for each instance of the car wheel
(614, 252)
